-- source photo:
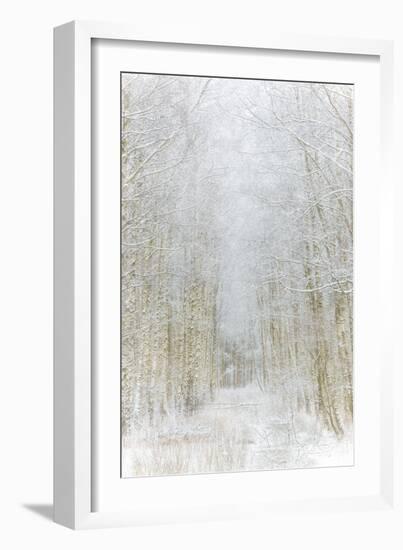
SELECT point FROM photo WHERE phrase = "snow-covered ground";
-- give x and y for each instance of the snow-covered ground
(242, 430)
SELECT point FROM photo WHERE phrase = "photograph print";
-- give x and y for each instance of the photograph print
(236, 275)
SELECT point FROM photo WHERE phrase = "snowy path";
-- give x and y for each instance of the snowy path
(242, 430)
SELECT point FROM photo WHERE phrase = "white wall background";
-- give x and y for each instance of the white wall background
(26, 267)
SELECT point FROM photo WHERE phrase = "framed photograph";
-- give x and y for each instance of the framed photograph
(221, 276)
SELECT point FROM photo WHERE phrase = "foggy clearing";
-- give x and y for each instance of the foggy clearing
(236, 274)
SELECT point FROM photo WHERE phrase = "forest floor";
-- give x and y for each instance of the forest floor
(242, 430)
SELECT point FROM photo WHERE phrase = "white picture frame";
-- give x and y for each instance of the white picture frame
(75, 442)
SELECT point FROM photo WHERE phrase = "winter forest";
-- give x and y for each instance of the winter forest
(236, 274)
